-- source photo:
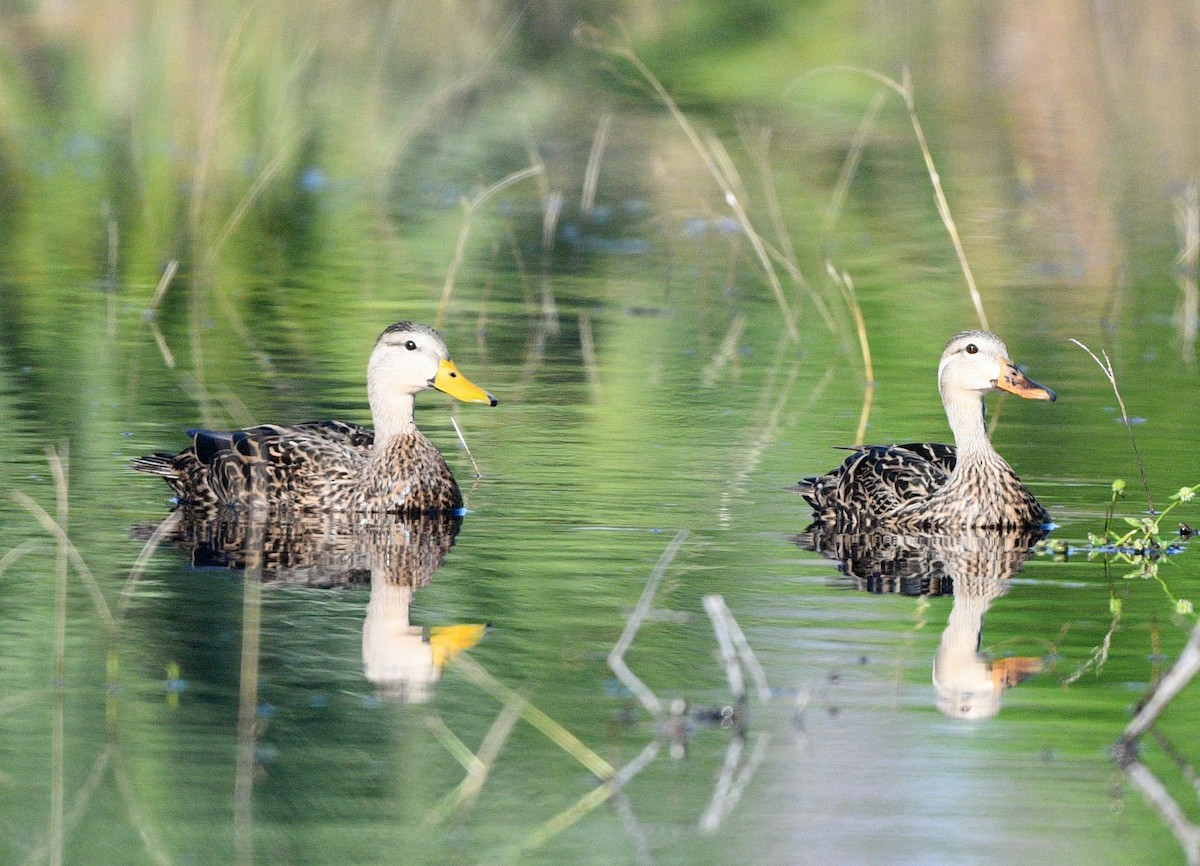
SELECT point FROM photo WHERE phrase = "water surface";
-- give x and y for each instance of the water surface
(648, 385)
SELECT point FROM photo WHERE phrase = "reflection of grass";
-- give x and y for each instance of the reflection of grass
(905, 91)
(716, 160)
(65, 817)
(1127, 750)
(673, 725)
(460, 249)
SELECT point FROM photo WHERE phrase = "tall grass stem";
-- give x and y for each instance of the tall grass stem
(715, 160)
(1107, 367)
(470, 207)
(906, 93)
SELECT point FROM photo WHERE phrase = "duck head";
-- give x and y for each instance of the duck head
(977, 362)
(409, 358)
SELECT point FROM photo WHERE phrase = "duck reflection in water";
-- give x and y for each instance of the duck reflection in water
(975, 567)
(397, 556)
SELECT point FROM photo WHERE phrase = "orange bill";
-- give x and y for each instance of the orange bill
(1015, 382)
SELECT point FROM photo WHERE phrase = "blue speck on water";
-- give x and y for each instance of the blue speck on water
(312, 179)
(175, 685)
(634, 206)
(600, 214)
(318, 701)
(370, 702)
(614, 688)
(1136, 419)
(169, 148)
(570, 233)
(695, 226)
(620, 246)
(265, 754)
(82, 145)
(266, 711)
(728, 226)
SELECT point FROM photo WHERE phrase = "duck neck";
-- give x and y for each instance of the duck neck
(392, 416)
(965, 412)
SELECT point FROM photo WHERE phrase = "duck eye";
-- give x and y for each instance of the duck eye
(412, 347)
(972, 348)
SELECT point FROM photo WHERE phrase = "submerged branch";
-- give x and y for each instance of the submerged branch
(559, 735)
(1180, 674)
(616, 658)
(590, 800)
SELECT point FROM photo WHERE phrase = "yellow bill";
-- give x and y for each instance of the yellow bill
(454, 383)
(447, 641)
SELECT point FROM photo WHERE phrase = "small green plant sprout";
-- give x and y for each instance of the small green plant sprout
(1145, 536)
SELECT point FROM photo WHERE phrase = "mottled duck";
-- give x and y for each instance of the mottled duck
(930, 487)
(334, 465)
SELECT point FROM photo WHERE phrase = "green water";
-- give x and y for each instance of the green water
(309, 179)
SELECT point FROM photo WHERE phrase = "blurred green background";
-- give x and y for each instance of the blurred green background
(208, 212)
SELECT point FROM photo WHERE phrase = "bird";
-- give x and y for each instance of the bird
(929, 486)
(335, 466)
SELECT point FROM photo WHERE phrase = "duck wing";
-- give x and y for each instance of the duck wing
(877, 479)
(942, 456)
(300, 466)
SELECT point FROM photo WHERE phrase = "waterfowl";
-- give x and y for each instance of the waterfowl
(335, 465)
(926, 486)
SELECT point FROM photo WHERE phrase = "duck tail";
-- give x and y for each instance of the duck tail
(156, 464)
(810, 489)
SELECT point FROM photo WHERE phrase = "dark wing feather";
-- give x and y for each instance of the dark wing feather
(304, 461)
(300, 465)
(876, 480)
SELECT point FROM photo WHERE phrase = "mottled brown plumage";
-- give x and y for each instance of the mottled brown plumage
(926, 486)
(334, 465)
